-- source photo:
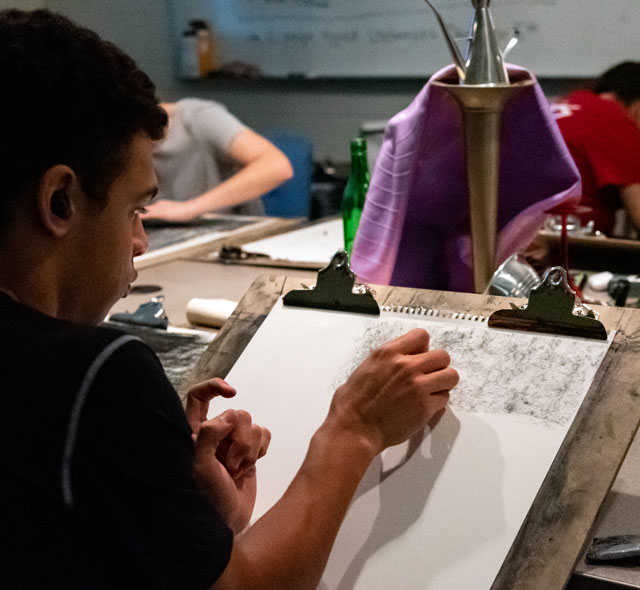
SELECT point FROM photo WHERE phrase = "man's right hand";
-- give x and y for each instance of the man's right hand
(394, 393)
(398, 389)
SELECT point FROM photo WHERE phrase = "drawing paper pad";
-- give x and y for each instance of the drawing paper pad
(441, 511)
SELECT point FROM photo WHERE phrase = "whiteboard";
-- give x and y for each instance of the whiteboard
(441, 511)
(400, 38)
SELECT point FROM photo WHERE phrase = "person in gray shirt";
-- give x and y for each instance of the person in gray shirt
(210, 161)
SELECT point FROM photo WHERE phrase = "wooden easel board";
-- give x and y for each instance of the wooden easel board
(435, 513)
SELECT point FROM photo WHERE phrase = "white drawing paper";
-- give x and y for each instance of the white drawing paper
(314, 243)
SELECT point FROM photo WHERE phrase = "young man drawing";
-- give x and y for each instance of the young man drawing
(106, 483)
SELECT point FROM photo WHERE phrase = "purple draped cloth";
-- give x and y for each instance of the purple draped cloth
(415, 229)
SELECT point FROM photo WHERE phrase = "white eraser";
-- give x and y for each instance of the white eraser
(599, 281)
(209, 312)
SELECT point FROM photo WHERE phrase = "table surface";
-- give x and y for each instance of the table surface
(594, 253)
(182, 280)
(620, 514)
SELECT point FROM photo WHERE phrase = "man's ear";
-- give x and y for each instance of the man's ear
(55, 199)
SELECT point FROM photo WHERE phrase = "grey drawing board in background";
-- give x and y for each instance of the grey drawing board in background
(378, 38)
(177, 349)
(169, 240)
(443, 509)
(162, 235)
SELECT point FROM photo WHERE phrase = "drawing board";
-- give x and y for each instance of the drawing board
(177, 348)
(441, 511)
(315, 243)
(169, 240)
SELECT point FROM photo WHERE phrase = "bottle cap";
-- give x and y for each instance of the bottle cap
(358, 146)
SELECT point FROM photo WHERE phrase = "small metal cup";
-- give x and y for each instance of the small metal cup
(515, 277)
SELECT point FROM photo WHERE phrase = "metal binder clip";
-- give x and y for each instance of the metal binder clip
(551, 309)
(235, 253)
(149, 314)
(336, 289)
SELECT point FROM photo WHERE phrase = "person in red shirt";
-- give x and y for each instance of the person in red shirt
(602, 131)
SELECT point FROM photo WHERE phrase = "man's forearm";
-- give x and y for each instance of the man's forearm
(289, 546)
(393, 394)
(252, 181)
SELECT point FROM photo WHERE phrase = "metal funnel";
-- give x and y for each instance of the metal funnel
(485, 64)
(482, 91)
(482, 107)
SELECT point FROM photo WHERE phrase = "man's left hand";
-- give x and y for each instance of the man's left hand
(175, 211)
(227, 449)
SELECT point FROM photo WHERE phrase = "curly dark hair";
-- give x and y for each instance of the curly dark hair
(623, 80)
(66, 97)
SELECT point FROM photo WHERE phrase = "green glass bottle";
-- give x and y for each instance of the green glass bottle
(355, 191)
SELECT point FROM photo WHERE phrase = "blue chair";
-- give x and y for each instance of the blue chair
(292, 198)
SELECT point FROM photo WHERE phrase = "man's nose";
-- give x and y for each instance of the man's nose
(140, 240)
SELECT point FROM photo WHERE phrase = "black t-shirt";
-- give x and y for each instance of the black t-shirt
(96, 459)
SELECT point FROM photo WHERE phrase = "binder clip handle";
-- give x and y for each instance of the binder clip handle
(336, 289)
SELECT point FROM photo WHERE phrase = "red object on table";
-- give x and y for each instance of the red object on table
(564, 210)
